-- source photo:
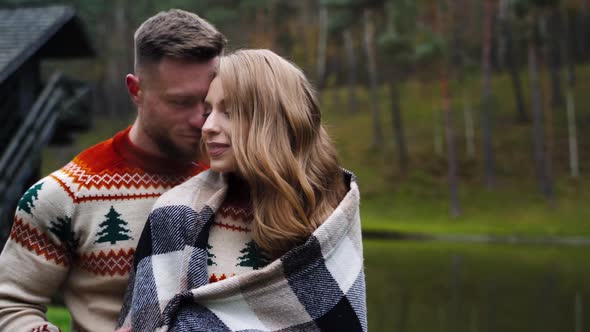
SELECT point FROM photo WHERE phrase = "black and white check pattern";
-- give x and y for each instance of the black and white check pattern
(317, 286)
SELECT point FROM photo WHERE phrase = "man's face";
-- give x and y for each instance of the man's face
(170, 102)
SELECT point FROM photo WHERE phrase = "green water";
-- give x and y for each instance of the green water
(434, 286)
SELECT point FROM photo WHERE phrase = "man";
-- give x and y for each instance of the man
(77, 229)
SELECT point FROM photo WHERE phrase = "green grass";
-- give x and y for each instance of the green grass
(60, 317)
(501, 212)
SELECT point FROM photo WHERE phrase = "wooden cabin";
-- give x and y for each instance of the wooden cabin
(31, 109)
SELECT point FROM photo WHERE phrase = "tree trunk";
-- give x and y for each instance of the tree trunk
(522, 115)
(545, 97)
(351, 70)
(337, 95)
(570, 101)
(438, 130)
(469, 126)
(437, 125)
(262, 36)
(508, 33)
(322, 43)
(369, 33)
(400, 139)
(119, 59)
(555, 58)
(307, 35)
(501, 45)
(440, 27)
(541, 167)
(583, 24)
(452, 161)
(458, 8)
(102, 101)
(457, 52)
(488, 149)
(572, 135)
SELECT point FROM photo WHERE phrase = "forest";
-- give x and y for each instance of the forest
(466, 121)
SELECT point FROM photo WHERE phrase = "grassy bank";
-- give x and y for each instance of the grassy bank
(506, 211)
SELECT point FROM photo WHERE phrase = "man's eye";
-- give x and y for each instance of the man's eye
(181, 103)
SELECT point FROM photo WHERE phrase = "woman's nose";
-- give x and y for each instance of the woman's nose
(210, 125)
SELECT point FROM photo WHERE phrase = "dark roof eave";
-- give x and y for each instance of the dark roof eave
(40, 43)
(59, 46)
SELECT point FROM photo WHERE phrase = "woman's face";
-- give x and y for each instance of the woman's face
(217, 130)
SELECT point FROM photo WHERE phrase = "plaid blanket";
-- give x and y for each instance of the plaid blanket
(317, 286)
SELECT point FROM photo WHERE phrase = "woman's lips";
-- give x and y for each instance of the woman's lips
(216, 149)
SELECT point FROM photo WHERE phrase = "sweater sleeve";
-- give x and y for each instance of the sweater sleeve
(36, 259)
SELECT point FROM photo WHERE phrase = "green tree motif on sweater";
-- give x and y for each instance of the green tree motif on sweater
(27, 202)
(210, 256)
(253, 257)
(62, 228)
(113, 228)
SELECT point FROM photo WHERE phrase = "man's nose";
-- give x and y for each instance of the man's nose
(196, 118)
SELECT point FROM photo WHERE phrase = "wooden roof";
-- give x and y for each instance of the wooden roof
(52, 31)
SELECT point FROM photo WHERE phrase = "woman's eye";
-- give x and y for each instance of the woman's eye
(207, 110)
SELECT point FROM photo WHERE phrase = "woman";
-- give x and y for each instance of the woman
(268, 239)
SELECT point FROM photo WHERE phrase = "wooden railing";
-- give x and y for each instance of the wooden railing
(9, 115)
(20, 160)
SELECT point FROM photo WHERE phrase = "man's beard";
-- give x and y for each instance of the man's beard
(170, 149)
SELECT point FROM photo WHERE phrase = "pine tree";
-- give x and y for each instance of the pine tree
(210, 256)
(113, 228)
(28, 201)
(62, 228)
(253, 256)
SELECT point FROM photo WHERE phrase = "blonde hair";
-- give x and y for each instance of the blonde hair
(282, 150)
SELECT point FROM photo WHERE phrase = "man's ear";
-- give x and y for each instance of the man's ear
(133, 88)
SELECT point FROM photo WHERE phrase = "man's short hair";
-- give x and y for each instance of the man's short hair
(178, 34)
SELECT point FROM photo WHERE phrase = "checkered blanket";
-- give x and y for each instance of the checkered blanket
(317, 286)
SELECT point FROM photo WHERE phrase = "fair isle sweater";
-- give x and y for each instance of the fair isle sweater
(231, 249)
(76, 230)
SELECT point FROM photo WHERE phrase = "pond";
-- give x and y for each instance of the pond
(415, 286)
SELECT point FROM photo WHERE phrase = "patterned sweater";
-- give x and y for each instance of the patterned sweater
(231, 249)
(76, 231)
